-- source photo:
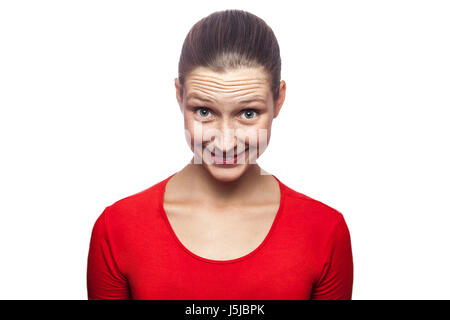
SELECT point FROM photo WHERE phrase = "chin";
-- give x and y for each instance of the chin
(227, 173)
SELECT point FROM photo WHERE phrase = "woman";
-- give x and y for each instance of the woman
(223, 228)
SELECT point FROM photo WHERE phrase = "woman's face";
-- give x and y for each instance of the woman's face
(228, 117)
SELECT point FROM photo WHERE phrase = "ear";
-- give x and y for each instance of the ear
(280, 100)
(178, 94)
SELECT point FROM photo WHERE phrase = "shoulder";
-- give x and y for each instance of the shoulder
(318, 216)
(315, 222)
(135, 207)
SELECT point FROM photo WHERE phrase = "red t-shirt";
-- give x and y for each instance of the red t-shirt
(135, 254)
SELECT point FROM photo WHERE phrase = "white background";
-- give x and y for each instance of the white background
(89, 116)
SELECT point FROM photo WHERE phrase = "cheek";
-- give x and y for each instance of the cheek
(261, 135)
(263, 139)
(255, 137)
(189, 130)
(196, 132)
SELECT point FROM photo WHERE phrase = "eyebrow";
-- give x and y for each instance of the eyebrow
(241, 101)
(197, 96)
(252, 99)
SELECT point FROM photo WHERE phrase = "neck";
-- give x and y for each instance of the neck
(208, 189)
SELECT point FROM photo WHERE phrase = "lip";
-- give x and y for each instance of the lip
(227, 161)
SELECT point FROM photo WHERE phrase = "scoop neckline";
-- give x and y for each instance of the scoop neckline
(242, 258)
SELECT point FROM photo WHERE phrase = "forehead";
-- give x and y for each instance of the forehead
(231, 84)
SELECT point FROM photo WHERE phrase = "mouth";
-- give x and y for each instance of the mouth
(228, 161)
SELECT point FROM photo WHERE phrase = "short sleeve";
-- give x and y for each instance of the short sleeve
(104, 280)
(336, 277)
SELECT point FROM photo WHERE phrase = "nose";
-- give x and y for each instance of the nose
(227, 140)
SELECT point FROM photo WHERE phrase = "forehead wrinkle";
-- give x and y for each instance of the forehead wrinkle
(218, 85)
(252, 96)
(227, 88)
(220, 81)
(221, 90)
(194, 95)
(259, 71)
(211, 85)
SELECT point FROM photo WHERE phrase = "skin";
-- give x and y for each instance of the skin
(205, 201)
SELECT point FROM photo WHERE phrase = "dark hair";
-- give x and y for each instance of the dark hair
(229, 39)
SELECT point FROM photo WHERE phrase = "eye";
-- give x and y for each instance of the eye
(202, 112)
(250, 113)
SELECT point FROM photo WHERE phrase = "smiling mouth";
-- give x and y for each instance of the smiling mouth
(228, 160)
